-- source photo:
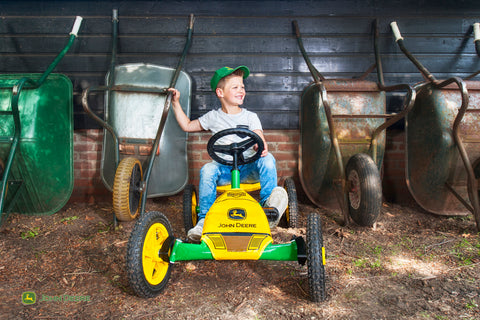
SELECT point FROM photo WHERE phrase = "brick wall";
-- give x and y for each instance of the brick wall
(283, 144)
(394, 185)
(88, 185)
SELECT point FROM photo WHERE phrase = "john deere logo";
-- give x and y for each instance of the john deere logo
(29, 297)
(237, 214)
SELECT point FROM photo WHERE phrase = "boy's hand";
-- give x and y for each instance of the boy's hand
(265, 149)
(175, 95)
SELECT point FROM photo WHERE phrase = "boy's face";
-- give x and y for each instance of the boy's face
(233, 93)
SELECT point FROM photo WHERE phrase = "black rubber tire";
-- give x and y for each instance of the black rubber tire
(190, 203)
(290, 218)
(315, 258)
(126, 189)
(365, 190)
(142, 249)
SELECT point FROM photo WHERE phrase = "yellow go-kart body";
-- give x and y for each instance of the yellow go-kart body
(236, 227)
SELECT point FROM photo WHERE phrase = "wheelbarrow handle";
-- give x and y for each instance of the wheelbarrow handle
(476, 38)
(399, 40)
(396, 31)
(76, 26)
(317, 76)
(476, 32)
(191, 21)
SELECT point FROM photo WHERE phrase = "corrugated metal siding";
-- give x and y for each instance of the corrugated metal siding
(337, 35)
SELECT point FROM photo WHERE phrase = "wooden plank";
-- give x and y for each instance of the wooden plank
(245, 8)
(237, 25)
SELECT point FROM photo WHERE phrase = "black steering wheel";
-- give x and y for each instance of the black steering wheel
(235, 149)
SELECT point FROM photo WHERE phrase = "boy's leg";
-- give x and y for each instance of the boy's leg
(211, 175)
(263, 170)
(267, 175)
(271, 195)
(206, 197)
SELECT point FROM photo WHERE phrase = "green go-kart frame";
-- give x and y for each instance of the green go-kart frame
(236, 228)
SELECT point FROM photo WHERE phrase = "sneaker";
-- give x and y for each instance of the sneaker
(279, 200)
(195, 233)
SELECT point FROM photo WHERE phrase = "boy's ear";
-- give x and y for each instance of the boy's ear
(219, 92)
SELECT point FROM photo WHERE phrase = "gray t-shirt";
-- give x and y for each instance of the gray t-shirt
(217, 120)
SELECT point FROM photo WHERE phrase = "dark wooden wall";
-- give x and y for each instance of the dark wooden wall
(337, 34)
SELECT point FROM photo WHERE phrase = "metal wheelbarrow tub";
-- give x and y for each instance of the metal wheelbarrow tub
(443, 158)
(344, 121)
(36, 139)
(41, 177)
(140, 132)
(435, 171)
(136, 117)
(319, 170)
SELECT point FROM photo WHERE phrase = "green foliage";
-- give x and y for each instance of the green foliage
(32, 233)
(68, 219)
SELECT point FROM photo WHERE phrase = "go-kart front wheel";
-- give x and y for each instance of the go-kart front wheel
(148, 251)
(190, 215)
(127, 189)
(315, 258)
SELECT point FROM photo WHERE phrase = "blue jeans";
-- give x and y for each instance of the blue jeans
(213, 173)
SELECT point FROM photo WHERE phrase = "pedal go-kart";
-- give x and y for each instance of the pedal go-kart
(236, 228)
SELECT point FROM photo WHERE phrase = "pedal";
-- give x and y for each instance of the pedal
(271, 213)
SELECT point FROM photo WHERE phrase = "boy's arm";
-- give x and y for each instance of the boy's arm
(265, 150)
(184, 122)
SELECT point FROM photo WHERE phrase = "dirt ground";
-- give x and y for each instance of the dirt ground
(412, 265)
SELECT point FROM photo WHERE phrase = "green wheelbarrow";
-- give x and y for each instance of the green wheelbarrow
(144, 150)
(36, 140)
(342, 140)
(443, 141)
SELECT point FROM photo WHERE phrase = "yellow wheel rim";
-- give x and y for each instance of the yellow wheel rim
(287, 212)
(154, 268)
(194, 209)
(126, 202)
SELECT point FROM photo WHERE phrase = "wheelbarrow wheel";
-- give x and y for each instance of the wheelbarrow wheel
(190, 215)
(290, 218)
(315, 258)
(127, 189)
(365, 190)
(148, 252)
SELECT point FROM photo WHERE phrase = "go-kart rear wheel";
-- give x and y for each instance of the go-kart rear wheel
(290, 218)
(190, 215)
(127, 189)
(315, 258)
(365, 190)
(148, 273)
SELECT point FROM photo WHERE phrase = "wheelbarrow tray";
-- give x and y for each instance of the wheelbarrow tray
(432, 156)
(136, 116)
(318, 168)
(43, 160)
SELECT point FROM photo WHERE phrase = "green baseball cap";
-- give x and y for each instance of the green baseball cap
(225, 71)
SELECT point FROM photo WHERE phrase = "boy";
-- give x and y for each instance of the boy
(228, 85)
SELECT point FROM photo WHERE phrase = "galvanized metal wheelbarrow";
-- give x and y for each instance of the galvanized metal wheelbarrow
(36, 140)
(139, 133)
(344, 121)
(443, 141)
